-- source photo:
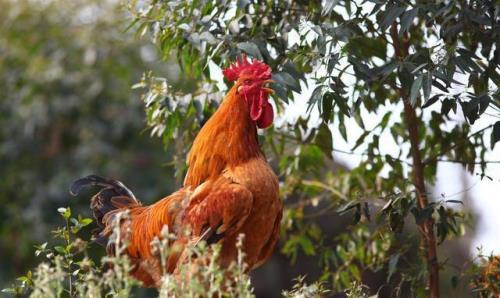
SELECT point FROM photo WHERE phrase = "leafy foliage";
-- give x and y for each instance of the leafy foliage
(486, 282)
(352, 68)
(396, 70)
(68, 271)
(66, 110)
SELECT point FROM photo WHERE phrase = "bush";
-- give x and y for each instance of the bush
(67, 269)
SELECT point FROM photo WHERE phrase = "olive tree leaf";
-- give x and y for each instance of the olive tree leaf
(415, 88)
(285, 79)
(393, 262)
(328, 6)
(324, 140)
(495, 134)
(326, 109)
(390, 16)
(316, 96)
(431, 101)
(341, 102)
(427, 85)
(407, 20)
(250, 48)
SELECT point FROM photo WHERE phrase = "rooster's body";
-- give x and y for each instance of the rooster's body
(229, 188)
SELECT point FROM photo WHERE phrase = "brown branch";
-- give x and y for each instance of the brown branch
(467, 161)
(426, 228)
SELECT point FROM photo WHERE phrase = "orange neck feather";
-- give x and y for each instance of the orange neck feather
(227, 139)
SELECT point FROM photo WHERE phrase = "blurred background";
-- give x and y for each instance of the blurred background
(67, 109)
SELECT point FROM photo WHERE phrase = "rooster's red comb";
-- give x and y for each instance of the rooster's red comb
(254, 68)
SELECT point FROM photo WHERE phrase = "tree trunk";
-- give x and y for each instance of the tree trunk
(427, 226)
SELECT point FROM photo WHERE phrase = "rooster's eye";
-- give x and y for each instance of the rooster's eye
(247, 82)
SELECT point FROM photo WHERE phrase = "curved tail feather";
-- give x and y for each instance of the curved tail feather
(113, 196)
(95, 180)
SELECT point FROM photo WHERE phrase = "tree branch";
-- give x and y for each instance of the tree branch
(467, 161)
(453, 146)
(426, 228)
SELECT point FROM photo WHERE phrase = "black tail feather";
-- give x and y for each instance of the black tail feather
(94, 180)
(113, 196)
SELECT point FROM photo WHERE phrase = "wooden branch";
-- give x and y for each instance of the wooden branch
(467, 161)
(426, 228)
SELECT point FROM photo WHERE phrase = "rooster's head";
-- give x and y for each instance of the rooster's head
(251, 79)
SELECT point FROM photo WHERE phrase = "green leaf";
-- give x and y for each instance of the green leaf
(350, 205)
(343, 130)
(455, 201)
(393, 262)
(440, 86)
(447, 105)
(385, 120)
(242, 3)
(9, 291)
(359, 119)
(422, 214)
(22, 279)
(495, 134)
(427, 85)
(415, 88)
(285, 79)
(85, 221)
(396, 222)
(416, 69)
(307, 246)
(65, 212)
(366, 47)
(332, 61)
(405, 77)
(250, 48)
(280, 91)
(342, 104)
(454, 281)
(327, 107)
(328, 6)
(431, 101)
(484, 102)
(361, 70)
(470, 109)
(366, 211)
(311, 156)
(74, 221)
(60, 249)
(360, 140)
(316, 96)
(324, 140)
(356, 217)
(407, 20)
(390, 16)
(388, 68)
(387, 205)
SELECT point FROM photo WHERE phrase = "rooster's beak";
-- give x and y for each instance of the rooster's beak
(269, 90)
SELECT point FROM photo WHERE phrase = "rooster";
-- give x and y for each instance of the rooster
(229, 188)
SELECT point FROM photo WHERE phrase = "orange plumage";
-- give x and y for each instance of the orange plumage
(229, 188)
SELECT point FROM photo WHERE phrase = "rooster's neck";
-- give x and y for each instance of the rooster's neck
(227, 139)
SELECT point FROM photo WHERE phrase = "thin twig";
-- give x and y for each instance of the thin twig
(451, 147)
(443, 196)
(467, 161)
